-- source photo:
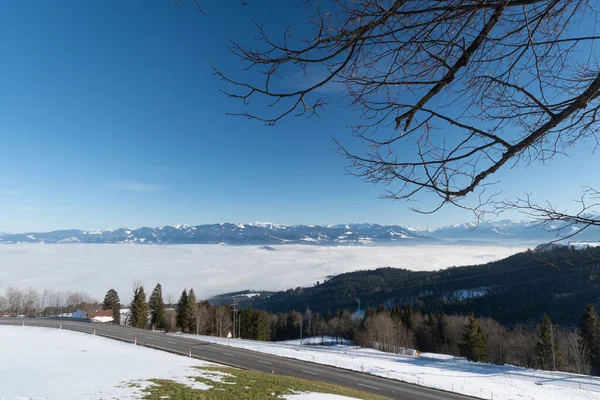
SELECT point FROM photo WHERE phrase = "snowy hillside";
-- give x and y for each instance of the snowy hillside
(74, 366)
(51, 364)
(453, 374)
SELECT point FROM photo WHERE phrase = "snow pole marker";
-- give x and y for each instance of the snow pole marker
(94, 332)
(272, 368)
(190, 352)
(59, 326)
(135, 340)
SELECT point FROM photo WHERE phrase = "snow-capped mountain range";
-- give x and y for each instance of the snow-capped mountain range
(267, 233)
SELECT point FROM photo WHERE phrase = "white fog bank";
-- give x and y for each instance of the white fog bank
(214, 269)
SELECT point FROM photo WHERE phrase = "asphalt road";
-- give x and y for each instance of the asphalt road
(248, 359)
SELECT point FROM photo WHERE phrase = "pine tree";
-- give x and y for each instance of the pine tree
(112, 302)
(441, 325)
(474, 341)
(181, 311)
(139, 308)
(396, 313)
(191, 309)
(427, 336)
(548, 351)
(408, 318)
(246, 323)
(589, 330)
(262, 327)
(157, 308)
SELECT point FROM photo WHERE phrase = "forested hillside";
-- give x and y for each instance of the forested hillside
(518, 289)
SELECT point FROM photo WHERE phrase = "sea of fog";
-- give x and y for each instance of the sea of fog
(214, 269)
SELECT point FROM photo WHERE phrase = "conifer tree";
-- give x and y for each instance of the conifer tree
(246, 323)
(408, 318)
(546, 354)
(262, 326)
(139, 308)
(427, 337)
(474, 341)
(589, 330)
(191, 309)
(441, 330)
(157, 308)
(112, 302)
(181, 311)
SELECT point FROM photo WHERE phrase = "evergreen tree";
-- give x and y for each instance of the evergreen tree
(408, 318)
(112, 302)
(589, 330)
(191, 309)
(546, 354)
(246, 321)
(441, 325)
(396, 313)
(427, 335)
(139, 308)
(474, 341)
(157, 308)
(262, 327)
(181, 311)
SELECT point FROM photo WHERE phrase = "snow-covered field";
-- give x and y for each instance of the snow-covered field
(214, 269)
(438, 371)
(43, 363)
(50, 364)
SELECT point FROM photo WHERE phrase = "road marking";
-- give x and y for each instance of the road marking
(168, 341)
(228, 354)
(368, 386)
(148, 337)
(264, 362)
(308, 372)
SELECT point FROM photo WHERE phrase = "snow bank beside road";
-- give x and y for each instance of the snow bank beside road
(43, 363)
(436, 371)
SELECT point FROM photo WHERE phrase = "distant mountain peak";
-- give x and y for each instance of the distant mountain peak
(270, 233)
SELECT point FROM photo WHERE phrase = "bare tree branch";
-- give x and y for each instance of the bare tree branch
(449, 92)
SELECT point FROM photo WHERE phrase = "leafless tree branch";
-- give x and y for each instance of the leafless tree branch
(449, 92)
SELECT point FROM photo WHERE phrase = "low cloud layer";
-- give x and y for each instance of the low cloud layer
(214, 269)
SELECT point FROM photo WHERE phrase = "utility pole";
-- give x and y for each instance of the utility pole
(301, 319)
(553, 355)
(240, 325)
(234, 311)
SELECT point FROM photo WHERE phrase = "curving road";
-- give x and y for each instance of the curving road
(247, 359)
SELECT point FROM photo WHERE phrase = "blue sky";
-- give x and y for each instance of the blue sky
(110, 117)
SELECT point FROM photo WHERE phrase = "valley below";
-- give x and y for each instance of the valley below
(215, 269)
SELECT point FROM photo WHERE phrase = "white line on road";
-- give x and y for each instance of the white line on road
(308, 372)
(168, 341)
(148, 337)
(228, 354)
(264, 362)
(368, 386)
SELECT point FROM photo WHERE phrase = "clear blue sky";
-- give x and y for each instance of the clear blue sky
(110, 117)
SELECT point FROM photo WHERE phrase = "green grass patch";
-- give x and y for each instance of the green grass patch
(243, 384)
